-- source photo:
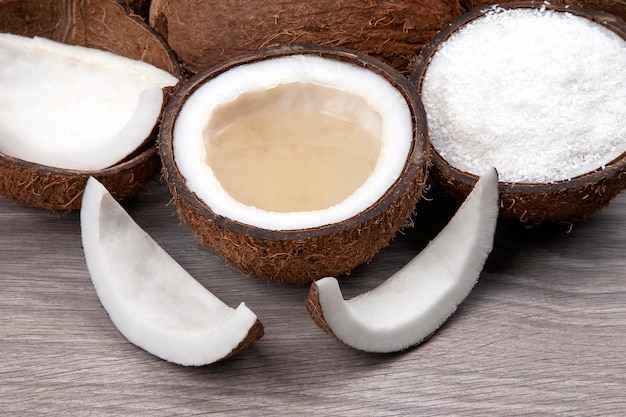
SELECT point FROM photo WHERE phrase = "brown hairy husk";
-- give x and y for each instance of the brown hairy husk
(56, 189)
(615, 7)
(305, 258)
(140, 8)
(205, 33)
(314, 309)
(102, 24)
(255, 333)
(558, 202)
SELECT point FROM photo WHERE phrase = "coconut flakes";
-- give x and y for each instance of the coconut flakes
(538, 94)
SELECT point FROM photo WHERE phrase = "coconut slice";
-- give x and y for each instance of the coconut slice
(149, 297)
(415, 301)
(74, 107)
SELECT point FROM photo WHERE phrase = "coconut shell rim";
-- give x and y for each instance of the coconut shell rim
(609, 170)
(416, 164)
(136, 159)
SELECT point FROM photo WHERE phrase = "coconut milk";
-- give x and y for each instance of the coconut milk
(291, 160)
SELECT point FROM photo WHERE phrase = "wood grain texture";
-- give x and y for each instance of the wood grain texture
(543, 332)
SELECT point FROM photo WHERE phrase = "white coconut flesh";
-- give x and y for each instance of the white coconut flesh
(415, 301)
(539, 94)
(148, 296)
(74, 107)
(293, 142)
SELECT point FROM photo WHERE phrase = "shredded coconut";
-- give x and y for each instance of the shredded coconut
(539, 94)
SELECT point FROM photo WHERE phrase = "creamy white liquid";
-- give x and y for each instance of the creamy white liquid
(288, 160)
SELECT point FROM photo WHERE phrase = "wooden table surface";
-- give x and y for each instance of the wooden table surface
(542, 333)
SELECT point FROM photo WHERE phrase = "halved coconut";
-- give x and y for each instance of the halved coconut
(204, 33)
(97, 24)
(414, 302)
(296, 162)
(149, 297)
(547, 110)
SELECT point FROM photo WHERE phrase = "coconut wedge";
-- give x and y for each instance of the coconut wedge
(149, 297)
(414, 302)
(74, 107)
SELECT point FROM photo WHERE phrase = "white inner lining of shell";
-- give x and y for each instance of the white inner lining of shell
(386, 116)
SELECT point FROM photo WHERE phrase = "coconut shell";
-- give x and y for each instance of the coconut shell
(140, 8)
(55, 189)
(532, 203)
(314, 308)
(301, 256)
(616, 7)
(102, 24)
(560, 201)
(204, 33)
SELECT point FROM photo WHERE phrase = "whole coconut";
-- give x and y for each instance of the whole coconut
(207, 32)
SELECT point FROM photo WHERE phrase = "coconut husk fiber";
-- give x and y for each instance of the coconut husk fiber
(140, 8)
(615, 7)
(205, 33)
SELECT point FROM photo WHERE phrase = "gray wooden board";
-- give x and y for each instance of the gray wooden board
(542, 333)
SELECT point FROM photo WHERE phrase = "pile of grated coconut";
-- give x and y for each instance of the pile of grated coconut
(539, 94)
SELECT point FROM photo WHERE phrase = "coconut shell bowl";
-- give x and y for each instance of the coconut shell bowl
(568, 198)
(308, 249)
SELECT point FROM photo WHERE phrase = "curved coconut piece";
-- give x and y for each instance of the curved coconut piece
(109, 104)
(101, 24)
(301, 255)
(570, 200)
(415, 301)
(204, 33)
(149, 297)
